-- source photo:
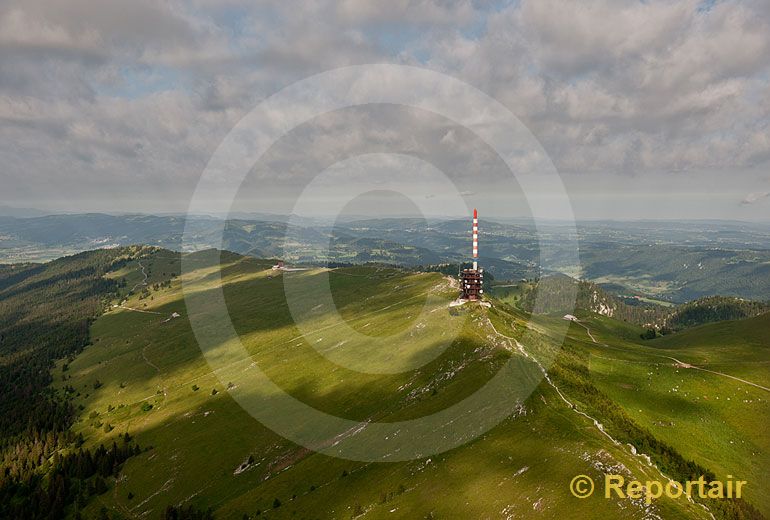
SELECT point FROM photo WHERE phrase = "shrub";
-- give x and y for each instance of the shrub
(648, 334)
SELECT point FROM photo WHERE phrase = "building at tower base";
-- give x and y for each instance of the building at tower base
(472, 281)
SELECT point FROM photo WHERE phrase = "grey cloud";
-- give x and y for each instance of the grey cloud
(456, 12)
(96, 27)
(116, 96)
(616, 86)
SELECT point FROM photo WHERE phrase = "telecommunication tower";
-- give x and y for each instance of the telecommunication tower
(472, 280)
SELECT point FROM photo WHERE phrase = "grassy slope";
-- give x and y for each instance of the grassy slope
(709, 418)
(520, 468)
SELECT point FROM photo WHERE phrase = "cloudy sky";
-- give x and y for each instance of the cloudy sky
(650, 109)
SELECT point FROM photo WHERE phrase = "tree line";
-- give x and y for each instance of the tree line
(45, 314)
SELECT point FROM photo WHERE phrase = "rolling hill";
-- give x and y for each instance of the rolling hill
(713, 309)
(143, 374)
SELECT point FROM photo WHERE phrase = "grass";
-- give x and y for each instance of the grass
(207, 451)
(511, 293)
(706, 417)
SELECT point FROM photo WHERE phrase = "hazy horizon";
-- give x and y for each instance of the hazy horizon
(7, 209)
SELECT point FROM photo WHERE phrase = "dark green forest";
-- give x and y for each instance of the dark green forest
(45, 314)
(712, 309)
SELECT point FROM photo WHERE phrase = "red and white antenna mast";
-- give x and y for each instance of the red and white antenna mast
(475, 240)
(472, 280)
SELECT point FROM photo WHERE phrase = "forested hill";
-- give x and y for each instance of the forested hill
(45, 314)
(553, 294)
(713, 309)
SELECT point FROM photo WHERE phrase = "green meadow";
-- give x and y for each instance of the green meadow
(389, 349)
(707, 416)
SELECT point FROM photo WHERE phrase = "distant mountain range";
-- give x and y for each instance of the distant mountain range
(10, 211)
(660, 260)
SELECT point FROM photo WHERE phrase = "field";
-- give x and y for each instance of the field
(145, 374)
(706, 416)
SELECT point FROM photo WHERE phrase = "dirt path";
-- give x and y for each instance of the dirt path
(281, 344)
(678, 363)
(599, 426)
(157, 369)
(144, 354)
(123, 508)
(682, 364)
(511, 341)
(139, 310)
(144, 273)
(133, 289)
(358, 317)
(153, 365)
(588, 331)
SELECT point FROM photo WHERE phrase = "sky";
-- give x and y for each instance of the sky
(647, 109)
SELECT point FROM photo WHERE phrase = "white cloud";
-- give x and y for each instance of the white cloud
(756, 196)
